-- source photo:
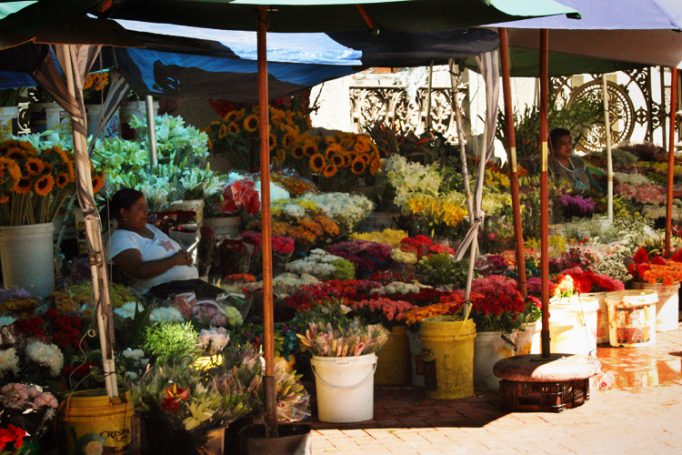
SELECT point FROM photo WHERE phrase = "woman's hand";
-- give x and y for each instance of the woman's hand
(182, 257)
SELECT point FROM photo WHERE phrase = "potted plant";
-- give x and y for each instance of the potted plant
(344, 361)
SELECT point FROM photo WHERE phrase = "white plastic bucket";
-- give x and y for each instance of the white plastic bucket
(668, 305)
(602, 316)
(489, 347)
(345, 387)
(573, 325)
(224, 226)
(8, 115)
(27, 255)
(137, 108)
(94, 113)
(632, 318)
(191, 205)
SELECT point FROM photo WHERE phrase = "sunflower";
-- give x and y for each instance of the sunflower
(297, 151)
(97, 183)
(231, 116)
(233, 128)
(330, 170)
(336, 159)
(316, 162)
(11, 166)
(251, 123)
(15, 153)
(22, 186)
(44, 185)
(362, 144)
(4, 199)
(273, 141)
(72, 171)
(209, 144)
(309, 147)
(358, 166)
(62, 180)
(222, 131)
(288, 139)
(34, 166)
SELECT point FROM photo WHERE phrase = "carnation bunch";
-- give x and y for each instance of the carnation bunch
(381, 310)
(352, 339)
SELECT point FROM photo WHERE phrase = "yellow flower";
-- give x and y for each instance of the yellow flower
(273, 141)
(97, 183)
(329, 171)
(358, 165)
(62, 180)
(222, 131)
(310, 147)
(44, 185)
(316, 162)
(251, 123)
(12, 168)
(22, 186)
(34, 166)
(374, 166)
(297, 151)
(233, 128)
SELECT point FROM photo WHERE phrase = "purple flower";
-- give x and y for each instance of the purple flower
(577, 205)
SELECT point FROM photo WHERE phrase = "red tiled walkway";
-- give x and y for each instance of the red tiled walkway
(641, 413)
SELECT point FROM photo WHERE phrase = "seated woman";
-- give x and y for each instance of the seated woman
(152, 261)
(563, 165)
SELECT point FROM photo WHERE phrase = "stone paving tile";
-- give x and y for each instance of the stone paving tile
(640, 414)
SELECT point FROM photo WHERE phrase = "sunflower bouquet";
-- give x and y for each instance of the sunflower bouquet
(235, 135)
(328, 154)
(35, 183)
(95, 85)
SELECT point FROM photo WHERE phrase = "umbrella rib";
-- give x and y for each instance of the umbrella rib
(367, 19)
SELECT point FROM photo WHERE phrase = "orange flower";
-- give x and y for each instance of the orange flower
(97, 183)
(330, 170)
(62, 180)
(44, 185)
(34, 166)
(297, 152)
(358, 166)
(310, 147)
(316, 163)
(4, 199)
(251, 123)
(11, 166)
(374, 166)
(233, 128)
(22, 186)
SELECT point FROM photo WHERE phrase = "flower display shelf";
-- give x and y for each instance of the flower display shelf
(551, 384)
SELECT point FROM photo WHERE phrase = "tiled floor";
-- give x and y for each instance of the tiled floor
(641, 413)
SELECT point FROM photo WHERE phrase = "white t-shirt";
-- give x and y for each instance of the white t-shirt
(159, 247)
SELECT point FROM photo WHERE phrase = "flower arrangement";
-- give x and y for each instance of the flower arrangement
(235, 135)
(410, 179)
(345, 209)
(296, 186)
(351, 339)
(27, 407)
(438, 270)
(648, 268)
(390, 237)
(322, 265)
(35, 183)
(366, 256)
(497, 304)
(381, 310)
(585, 281)
(303, 220)
(583, 257)
(576, 206)
(421, 246)
(94, 86)
(449, 304)
(645, 193)
(241, 196)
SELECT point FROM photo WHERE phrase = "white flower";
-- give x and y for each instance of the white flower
(403, 257)
(133, 354)
(47, 355)
(346, 209)
(9, 361)
(127, 310)
(214, 340)
(293, 211)
(166, 314)
(6, 320)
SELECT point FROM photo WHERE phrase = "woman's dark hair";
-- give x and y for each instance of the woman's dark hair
(555, 134)
(124, 198)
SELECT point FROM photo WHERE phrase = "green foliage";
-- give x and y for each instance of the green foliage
(182, 172)
(171, 342)
(438, 270)
(333, 313)
(578, 118)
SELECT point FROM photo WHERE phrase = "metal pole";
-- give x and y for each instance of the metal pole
(266, 228)
(427, 122)
(609, 159)
(544, 189)
(513, 168)
(671, 162)
(151, 128)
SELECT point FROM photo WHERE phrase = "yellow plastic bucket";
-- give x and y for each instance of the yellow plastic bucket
(393, 360)
(448, 353)
(95, 423)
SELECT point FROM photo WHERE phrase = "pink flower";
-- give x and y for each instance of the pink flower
(45, 399)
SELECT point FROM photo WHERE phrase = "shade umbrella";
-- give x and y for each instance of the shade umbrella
(310, 15)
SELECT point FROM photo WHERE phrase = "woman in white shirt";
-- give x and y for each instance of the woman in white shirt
(153, 261)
